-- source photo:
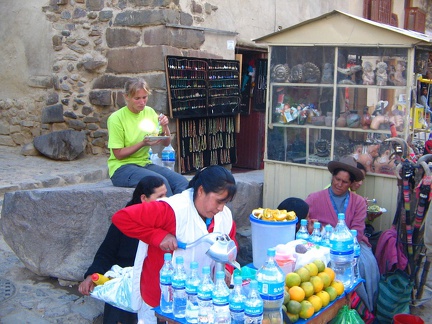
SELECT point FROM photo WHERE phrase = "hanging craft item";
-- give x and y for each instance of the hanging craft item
(280, 73)
(322, 147)
(368, 76)
(311, 73)
(296, 74)
(381, 74)
(327, 75)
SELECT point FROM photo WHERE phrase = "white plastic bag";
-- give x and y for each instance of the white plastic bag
(117, 291)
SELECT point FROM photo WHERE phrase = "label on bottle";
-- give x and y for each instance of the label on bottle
(205, 295)
(271, 291)
(178, 283)
(191, 289)
(342, 247)
(165, 279)
(220, 300)
(253, 310)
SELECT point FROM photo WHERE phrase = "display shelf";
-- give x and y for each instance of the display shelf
(202, 87)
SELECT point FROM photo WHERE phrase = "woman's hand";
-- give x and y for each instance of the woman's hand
(87, 286)
(169, 243)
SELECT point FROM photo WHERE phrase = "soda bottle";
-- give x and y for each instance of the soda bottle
(342, 252)
(271, 281)
(303, 232)
(254, 305)
(99, 279)
(220, 299)
(357, 249)
(168, 157)
(165, 278)
(179, 288)
(236, 302)
(192, 283)
(316, 234)
(205, 291)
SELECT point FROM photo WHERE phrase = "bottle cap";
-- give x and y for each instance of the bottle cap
(303, 221)
(167, 257)
(238, 280)
(341, 216)
(206, 270)
(271, 252)
(194, 265)
(317, 225)
(328, 227)
(179, 260)
(354, 232)
(253, 284)
(220, 275)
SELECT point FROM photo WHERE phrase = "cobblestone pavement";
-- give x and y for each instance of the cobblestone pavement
(29, 298)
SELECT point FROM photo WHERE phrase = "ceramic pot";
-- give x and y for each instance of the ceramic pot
(341, 121)
(329, 119)
(366, 118)
(353, 119)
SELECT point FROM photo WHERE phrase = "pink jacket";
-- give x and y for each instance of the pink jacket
(321, 208)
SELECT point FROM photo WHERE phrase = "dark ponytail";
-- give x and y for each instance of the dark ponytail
(214, 179)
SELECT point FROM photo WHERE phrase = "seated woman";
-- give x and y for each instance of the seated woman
(324, 206)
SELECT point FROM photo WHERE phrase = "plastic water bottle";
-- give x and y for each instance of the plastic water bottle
(325, 235)
(236, 302)
(179, 288)
(168, 157)
(220, 299)
(303, 232)
(205, 291)
(271, 281)
(192, 284)
(150, 153)
(165, 277)
(316, 234)
(357, 249)
(155, 159)
(254, 305)
(342, 252)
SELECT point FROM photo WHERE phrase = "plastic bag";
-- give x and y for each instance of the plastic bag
(117, 291)
(347, 316)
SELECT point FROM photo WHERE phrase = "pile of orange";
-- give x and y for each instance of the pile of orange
(310, 288)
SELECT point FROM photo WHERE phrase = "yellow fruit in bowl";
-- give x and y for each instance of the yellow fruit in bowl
(307, 309)
(330, 272)
(324, 296)
(332, 292)
(325, 279)
(338, 285)
(303, 273)
(292, 279)
(320, 265)
(316, 302)
(317, 283)
(308, 288)
(313, 269)
(296, 293)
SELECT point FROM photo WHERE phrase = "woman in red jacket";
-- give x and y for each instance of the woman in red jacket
(186, 217)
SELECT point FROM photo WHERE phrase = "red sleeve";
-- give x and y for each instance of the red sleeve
(148, 222)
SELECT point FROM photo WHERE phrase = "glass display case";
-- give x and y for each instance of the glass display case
(326, 102)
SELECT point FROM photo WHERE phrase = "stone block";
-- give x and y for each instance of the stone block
(118, 37)
(94, 5)
(140, 18)
(100, 97)
(40, 81)
(110, 82)
(65, 145)
(52, 114)
(181, 38)
(139, 59)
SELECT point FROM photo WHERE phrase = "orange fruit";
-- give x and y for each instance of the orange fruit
(325, 297)
(313, 269)
(317, 283)
(293, 317)
(316, 302)
(296, 293)
(293, 307)
(320, 265)
(292, 279)
(303, 273)
(307, 309)
(308, 288)
(325, 279)
(338, 285)
(330, 272)
(332, 292)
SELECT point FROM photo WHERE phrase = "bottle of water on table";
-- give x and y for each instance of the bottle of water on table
(179, 288)
(271, 281)
(192, 284)
(342, 252)
(205, 291)
(325, 237)
(165, 278)
(357, 249)
(316, 234)
(303, 232)
(254, 305)
(168, 157)
(220, 299)
(237, 301)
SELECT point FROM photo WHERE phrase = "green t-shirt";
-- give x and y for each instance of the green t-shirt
(124, 131)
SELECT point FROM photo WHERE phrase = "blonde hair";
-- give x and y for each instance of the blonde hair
(135, 84)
